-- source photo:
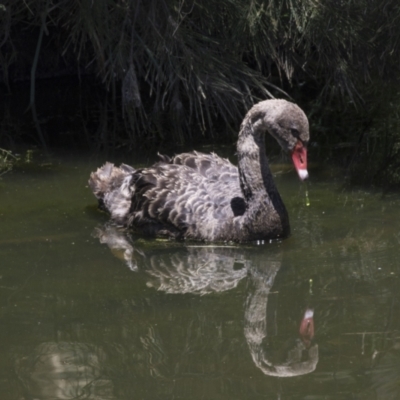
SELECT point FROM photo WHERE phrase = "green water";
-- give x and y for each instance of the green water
(88, 312)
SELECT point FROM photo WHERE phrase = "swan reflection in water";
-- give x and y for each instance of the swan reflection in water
(202, 269)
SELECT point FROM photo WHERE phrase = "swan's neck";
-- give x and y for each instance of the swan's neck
(265, 214)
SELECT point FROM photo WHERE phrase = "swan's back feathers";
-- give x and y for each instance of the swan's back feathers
(216, 170)
(174, 197)
(210, 165)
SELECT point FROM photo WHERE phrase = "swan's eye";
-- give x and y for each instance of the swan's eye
(295, 133)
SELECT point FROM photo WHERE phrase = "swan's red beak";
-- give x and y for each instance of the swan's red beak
(299, 157)
(307, 327)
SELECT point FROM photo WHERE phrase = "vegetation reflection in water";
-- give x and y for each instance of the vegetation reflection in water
(187, 320)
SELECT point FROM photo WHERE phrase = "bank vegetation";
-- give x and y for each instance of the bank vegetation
(133, 72)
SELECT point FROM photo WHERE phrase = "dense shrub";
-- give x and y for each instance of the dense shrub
(186, 69)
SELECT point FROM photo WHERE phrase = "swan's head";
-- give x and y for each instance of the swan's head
(288, 124)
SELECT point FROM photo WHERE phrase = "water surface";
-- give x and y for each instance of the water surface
(88, 311)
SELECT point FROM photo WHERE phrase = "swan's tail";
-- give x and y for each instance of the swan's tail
(112, 187)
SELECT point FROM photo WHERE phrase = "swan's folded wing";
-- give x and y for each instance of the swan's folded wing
(217, 172)
(180, 197)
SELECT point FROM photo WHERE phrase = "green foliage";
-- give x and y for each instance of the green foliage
(376, 158)
(7, 160)
(179, 69)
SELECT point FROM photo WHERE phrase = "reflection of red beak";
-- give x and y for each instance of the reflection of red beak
(299, 158)
(307, 327)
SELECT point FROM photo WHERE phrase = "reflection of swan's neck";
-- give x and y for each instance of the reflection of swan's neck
(264, 206)
(256, 332)
(256, 306)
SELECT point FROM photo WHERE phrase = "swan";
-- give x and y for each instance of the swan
(205, 197)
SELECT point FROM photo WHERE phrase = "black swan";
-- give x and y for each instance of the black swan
(204, 197)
